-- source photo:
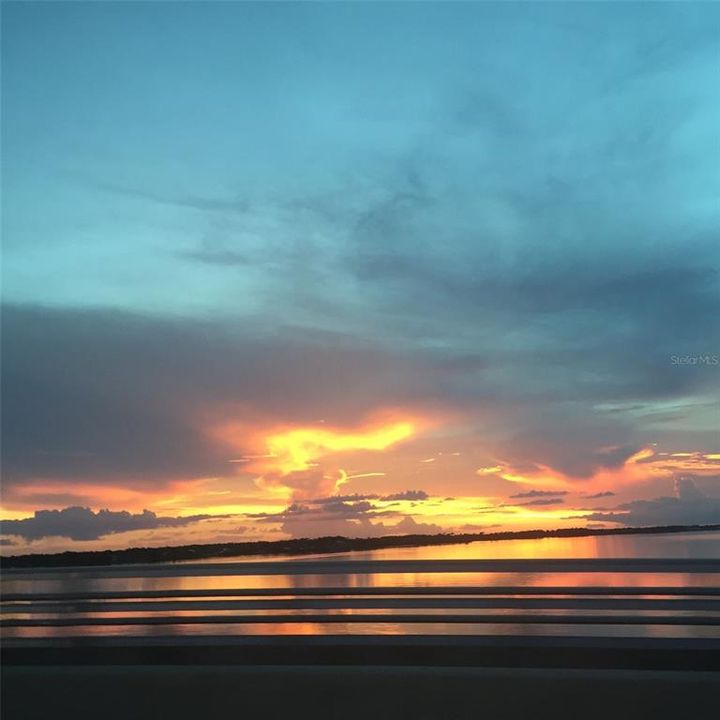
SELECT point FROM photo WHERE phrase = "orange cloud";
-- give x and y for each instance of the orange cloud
(50, 493)
(288, 458)
(645, 464)
(297, 449)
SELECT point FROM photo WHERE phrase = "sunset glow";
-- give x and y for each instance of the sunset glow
(357, 269)
(299, 448)
(302, 462)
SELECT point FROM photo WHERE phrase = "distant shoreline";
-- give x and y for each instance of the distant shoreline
(310, 546)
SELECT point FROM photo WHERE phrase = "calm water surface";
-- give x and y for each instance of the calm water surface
(675, 545)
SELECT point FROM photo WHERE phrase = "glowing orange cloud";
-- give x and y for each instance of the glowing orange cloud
(286, 458)
(297, 449)
(644, 465)
(24, 499)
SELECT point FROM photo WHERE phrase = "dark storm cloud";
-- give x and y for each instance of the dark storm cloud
(614, 456)
(604, 274)
(614, 323)
(103, 393)
(106, 394)
(689, 506)
(545, 431)
(81, 523)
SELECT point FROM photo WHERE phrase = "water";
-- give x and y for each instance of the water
(205, 598)
(691, 545)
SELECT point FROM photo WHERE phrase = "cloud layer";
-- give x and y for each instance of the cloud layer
(79, 523)
(353, 516)
(689, 506)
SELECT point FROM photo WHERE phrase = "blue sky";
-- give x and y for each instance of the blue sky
(502, 213)
(140, 136)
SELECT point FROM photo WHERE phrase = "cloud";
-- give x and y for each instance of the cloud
(537, 498)
(687, 491)
(349, 515)
(357, 525)
(212, 256)
(349, 506)
(541, 501)
(540, 493)
(408, 525)
(81, 523)
(407, 495)
(689, 506)
(204, 204)
(294, 458)
(355, 497)
(305, 484)
(604, 494)
(117, 397)
(613, 457)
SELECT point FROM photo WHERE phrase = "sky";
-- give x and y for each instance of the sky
(280, 270)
